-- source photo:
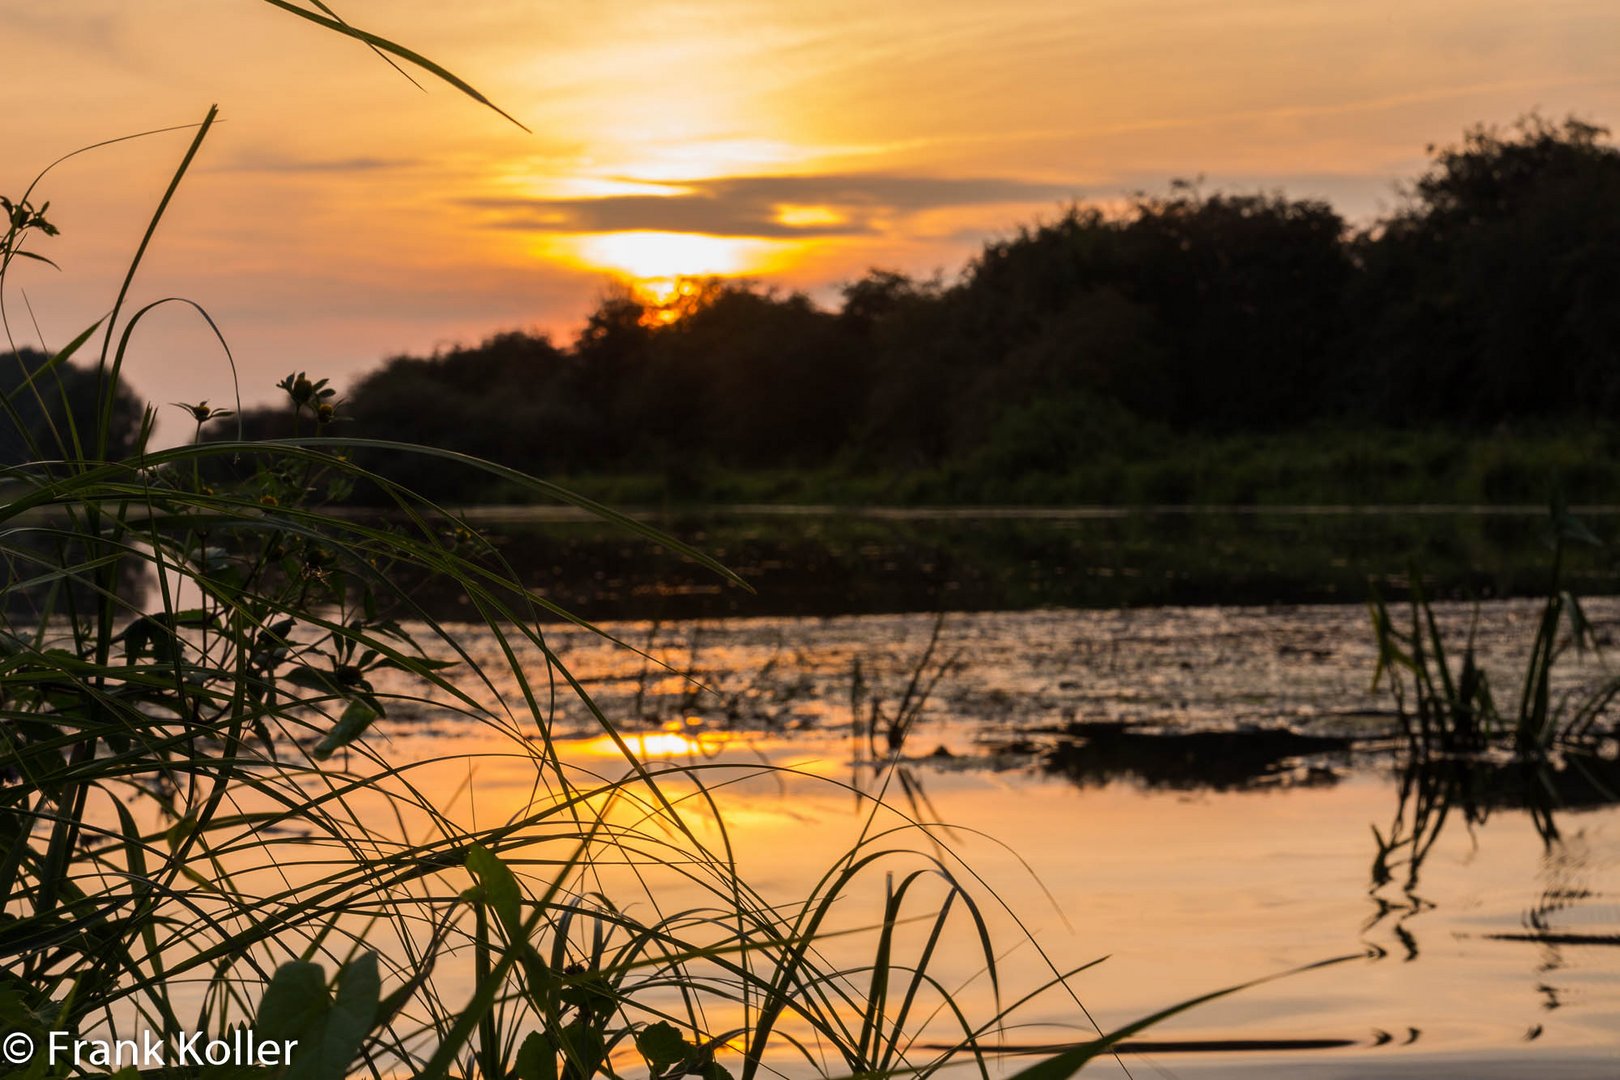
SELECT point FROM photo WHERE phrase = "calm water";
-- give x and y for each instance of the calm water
(1151, 737)
(1188, 791)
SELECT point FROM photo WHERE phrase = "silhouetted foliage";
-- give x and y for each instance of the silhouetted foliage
(51, 414)
(1216, 312)
(47, 406)
(1491, 296)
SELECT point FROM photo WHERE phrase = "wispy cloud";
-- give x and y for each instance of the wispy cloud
(318, 166)
(852, 204)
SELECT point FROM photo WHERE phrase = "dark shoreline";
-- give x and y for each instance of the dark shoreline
(821, 561)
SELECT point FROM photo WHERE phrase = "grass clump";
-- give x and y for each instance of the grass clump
(1448, 708)
(1466, 748)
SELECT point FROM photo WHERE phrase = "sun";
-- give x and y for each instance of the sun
(666, 270)
(655, 263)
(648, 256)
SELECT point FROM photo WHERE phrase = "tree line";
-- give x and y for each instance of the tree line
(1490, 298)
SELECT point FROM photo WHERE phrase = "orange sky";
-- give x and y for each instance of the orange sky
(339, 215)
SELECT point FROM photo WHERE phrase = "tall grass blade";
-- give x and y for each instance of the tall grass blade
(384, 45)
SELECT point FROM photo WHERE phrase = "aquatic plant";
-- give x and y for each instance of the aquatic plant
(1447, 708)
(1463, 753)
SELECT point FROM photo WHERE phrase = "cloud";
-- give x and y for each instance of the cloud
(321, 166)
(98, 32)
(853, 204)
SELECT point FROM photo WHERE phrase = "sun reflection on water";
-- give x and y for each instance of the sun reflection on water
(677, 738)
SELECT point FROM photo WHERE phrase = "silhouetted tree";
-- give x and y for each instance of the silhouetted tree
(499, 401)
(44, 408)
(612, 355)
(1495, 293)
(1217, 312)
(768, 379)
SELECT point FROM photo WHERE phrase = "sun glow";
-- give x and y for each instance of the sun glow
(664, 267)
(668, 299)
(802, 217)
(653, 255)
(677, 739)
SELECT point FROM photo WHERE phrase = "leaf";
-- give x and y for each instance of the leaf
(278, 630)
(180, 831)
(293, 1003)
(347, 1023)
(419, 666)
(137, 636)
(662, 1045)
(350, 726)
(536, 1060)
(329, 1033)
(584, 1047)
(500, 888)
(311, 679)
(590, 993)
(400, 51)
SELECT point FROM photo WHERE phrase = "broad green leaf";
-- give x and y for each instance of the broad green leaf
(350, 726)
(338, 1036)
(294, 1002)
(662, 1045)
(501, 890)
(536, 1060)
(329, 1033)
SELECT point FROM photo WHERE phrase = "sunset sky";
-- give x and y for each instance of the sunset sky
(339, 215)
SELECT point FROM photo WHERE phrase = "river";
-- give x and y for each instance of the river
(1199, 793)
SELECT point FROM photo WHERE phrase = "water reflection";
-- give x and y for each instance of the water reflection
(826, 561)
(1429, 794)
(1196, 788)
(675, 740)
(1435, 792)
(879, 730)
(1105, 752)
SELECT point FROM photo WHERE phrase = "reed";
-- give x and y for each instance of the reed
(1446, 706)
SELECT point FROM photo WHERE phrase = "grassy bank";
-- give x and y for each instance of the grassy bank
(1327, 466)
